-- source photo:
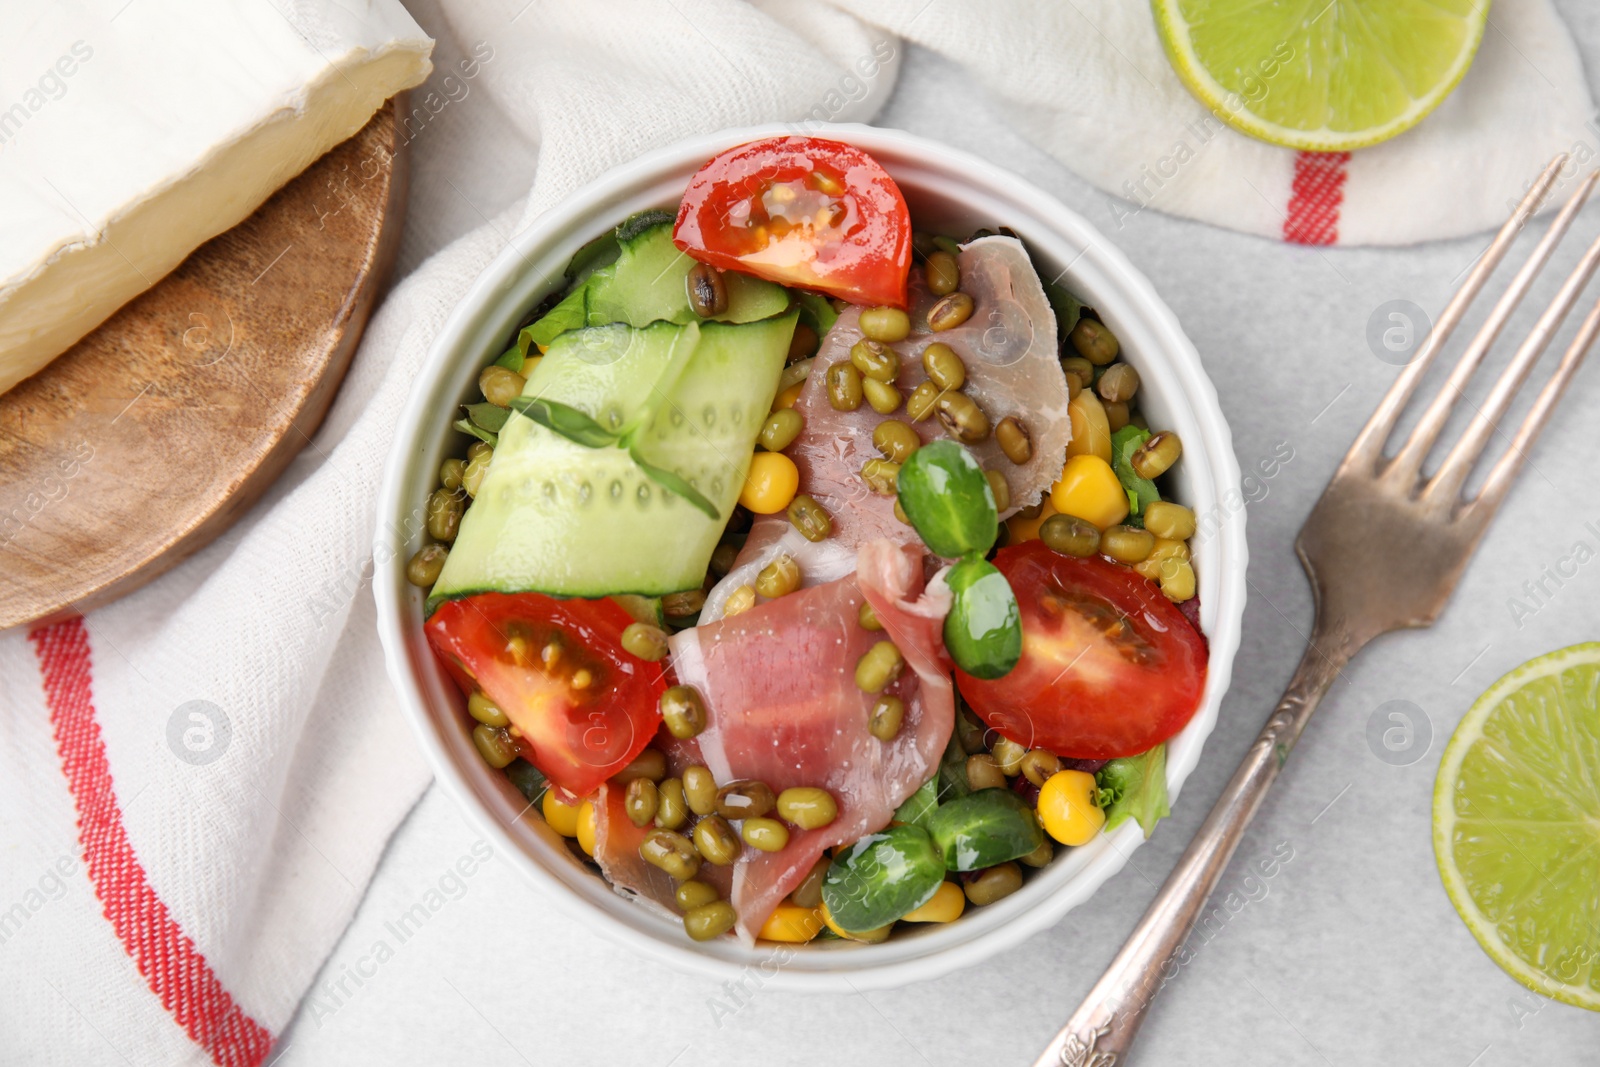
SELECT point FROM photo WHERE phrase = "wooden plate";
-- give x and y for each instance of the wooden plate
(152, 434)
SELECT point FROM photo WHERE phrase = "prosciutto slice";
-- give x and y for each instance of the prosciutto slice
(617, 840)
(783, 708)
(1009, 347)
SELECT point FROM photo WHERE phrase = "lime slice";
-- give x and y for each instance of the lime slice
(1516, 823)
(1324, 75)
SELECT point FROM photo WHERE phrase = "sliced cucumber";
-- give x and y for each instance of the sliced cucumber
(984, 828)
(571, 314)
(647, 609)
(815, 311)
(647, 283)
(600, 252)
(558, 517)
(882, 877)
(983, 632)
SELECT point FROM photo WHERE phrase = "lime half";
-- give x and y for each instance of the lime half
(1516, 823)
(1324, 75)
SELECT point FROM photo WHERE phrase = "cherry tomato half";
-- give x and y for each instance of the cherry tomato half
(1110, 667)
(801, 211)
(585, 707)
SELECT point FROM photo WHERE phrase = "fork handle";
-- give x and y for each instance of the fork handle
(1101, 1030)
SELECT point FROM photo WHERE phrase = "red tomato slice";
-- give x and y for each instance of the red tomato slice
(585, 707)
(801, 211)
(1110, 667)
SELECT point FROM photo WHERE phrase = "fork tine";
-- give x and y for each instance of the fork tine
(1370, 441)
(1505, 471)
(1447, 481)
(1408, 461)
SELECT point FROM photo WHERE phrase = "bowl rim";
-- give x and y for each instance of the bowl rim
(1086, 869)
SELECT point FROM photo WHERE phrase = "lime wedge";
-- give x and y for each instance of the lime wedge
(1516, 823)
(1324, 75)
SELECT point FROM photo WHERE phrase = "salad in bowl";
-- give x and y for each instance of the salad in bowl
(812, 570)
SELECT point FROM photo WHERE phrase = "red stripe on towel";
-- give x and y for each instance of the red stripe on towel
(172, 966)
(1314, 201)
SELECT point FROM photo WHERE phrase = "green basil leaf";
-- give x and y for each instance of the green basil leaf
(674, 483)
(491, 417)
(466, 426)
(1068, 308)
(983, 631)
(1137, 789)
(1142, 492)
(948, 500)
(565, 420)
(528, 779)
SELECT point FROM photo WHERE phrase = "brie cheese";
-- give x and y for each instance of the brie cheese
(133, 132)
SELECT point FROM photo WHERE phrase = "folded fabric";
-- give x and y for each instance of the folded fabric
(1089, 83)
(197, 781)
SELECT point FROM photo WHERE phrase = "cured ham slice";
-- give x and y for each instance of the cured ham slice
(783, 708)
(1013, 368)
(617, 840)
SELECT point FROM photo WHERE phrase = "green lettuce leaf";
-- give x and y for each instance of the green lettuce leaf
(1135, 787)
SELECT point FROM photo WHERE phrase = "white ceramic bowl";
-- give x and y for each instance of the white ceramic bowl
(948, 191)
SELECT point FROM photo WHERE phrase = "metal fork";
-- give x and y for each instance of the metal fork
(1383, 548)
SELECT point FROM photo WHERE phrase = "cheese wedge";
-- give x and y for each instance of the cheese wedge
(132, 133)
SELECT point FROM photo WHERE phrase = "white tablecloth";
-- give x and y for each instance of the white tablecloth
(1349, 954)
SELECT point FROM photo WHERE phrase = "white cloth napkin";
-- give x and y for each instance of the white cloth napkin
(197, 781)
(1090, 83)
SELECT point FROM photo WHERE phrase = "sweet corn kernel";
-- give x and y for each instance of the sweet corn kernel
(563, 818)
(1019, 529)
(1163, 559)
(787, 398)
(1089, 489)
(946, 905)
(1168, 520)
(792, 923)
(771, 483)
(869, 936)
(1178, 584)
(1067, 809)
(1091, 429)
(586, 827)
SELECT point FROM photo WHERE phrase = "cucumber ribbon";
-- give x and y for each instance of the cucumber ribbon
(567, 421)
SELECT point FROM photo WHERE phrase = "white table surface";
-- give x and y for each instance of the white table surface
(1351, 954)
